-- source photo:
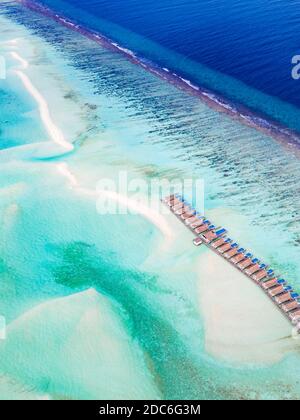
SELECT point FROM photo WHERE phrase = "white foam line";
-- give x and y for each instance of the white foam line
(54, 132)
(152, 215)
(64, 170)
(10, 42)
(189, 83)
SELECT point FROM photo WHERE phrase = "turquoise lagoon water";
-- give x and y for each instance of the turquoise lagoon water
(91, 300)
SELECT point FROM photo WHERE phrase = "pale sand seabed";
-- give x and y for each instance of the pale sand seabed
(58, 137)
(242, 325)
(23, 61)
(54, 132)
(132, 382)
(14, 391)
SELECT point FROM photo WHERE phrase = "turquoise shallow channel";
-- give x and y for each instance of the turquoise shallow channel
(124, 306)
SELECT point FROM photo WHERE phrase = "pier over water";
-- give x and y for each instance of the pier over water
(216, 239)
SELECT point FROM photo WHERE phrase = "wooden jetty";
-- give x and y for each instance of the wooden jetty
(281, 293)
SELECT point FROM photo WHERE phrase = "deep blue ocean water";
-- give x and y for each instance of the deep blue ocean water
(251, 41)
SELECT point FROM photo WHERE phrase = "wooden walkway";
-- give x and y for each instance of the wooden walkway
(281, 293)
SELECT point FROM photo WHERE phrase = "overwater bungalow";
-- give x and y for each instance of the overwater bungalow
(191, 220)
(219, 243)
(272, 283)
(182, 210)
(177, 206)
(275, 291)
(254, 268)
(260, 275)
(295, 315)
(197, 223)
(234, 251)
(286, 297)
(240, 257)
(224, 248)
(187, 215)
(173, 202)
(202, 229)
(247, 263)
(291, 306)
(211, 235)
(198, 241)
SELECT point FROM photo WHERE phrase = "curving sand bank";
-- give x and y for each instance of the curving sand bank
(54, 132)
(151, 215)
